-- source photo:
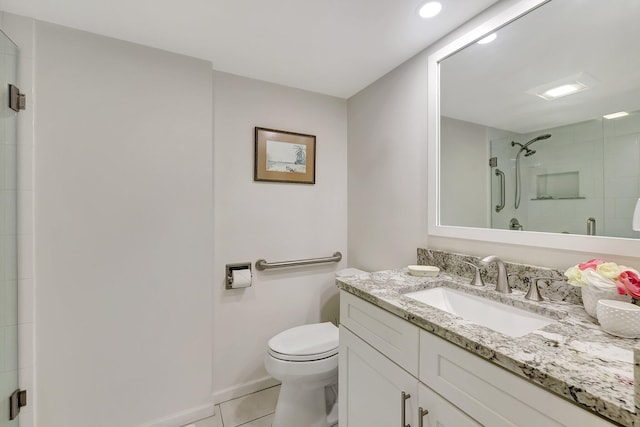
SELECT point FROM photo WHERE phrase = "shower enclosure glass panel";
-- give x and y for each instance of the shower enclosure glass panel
(568, 179)
(8, 233)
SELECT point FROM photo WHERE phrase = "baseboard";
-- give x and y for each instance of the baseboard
(183, 417)
(243, 389)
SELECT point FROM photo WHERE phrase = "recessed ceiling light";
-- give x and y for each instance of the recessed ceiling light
(430, 9)
(488, 39)
(616, 115)
(565, 86)
(563, 90)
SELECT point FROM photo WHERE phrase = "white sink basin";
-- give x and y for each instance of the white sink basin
(499, 317)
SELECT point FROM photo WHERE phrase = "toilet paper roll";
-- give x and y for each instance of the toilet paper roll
(241, 278)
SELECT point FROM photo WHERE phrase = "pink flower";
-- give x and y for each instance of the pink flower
(592, 264)
(628, 283)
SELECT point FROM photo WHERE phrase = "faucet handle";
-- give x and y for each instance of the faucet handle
(477, 279)
(533, 293)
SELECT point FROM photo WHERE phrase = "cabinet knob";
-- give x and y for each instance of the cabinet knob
(421, 414)
(403, 412)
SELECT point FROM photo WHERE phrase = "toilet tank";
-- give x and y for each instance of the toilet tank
(349, 272)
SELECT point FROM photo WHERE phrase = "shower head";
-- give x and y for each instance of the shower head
(537, 138)
(527, 152)
(525, 147)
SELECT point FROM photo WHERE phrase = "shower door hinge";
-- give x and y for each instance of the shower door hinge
(493, 162)
(17, 400)
(17, 100)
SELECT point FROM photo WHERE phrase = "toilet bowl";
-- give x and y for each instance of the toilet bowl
(305, 360)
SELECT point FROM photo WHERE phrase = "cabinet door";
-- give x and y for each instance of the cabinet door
(441, 412)
(371, 387)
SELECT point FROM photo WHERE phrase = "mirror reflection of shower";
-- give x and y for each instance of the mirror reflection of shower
(527, 152)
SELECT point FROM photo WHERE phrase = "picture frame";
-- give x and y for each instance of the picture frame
(282, 156)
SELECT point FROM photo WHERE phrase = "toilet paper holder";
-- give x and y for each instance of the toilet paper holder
(230, 268)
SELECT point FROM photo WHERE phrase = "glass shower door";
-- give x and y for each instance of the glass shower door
(8, 233)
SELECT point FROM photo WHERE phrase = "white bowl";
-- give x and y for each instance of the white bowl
(423, 270)
(591, 295)
(619, 318)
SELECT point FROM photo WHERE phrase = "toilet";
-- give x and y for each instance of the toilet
(305, 360)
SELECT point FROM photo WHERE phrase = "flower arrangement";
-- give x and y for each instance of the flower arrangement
(605, 276)
(628, 283)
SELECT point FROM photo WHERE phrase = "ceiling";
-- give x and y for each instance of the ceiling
(491, 84)
(335, 47)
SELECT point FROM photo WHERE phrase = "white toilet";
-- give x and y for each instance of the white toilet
(305, 360)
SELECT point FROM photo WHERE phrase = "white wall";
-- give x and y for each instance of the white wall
(387, 212)
(464, 168)
(387, 169)
(123, 243)
(274, 221)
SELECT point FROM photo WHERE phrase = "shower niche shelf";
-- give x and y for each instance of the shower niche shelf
(558, 186)
(558, 198)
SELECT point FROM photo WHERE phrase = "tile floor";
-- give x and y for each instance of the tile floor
(253, 410)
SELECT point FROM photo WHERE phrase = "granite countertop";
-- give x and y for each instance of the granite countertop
(571, 357)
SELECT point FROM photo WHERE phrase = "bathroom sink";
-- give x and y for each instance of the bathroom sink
(494, 315)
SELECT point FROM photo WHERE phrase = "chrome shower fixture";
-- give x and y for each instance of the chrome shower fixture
(527, 152)
(525, 146)
(538, 138)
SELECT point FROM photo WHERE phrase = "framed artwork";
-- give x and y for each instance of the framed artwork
(283, 156)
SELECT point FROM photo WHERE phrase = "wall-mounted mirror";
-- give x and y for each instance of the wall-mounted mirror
(521, 139)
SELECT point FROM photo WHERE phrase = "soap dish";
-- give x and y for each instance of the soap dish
(423, 270)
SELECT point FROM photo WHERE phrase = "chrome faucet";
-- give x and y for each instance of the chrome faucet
(502, 285)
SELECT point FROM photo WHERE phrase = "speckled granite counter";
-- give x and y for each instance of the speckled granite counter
(572, 357)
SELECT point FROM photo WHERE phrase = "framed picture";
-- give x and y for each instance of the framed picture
(284, 156)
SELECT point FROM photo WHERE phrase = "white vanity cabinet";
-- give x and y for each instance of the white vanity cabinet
(372, 380)
(379, 386)
(371, 387)
(383, 357)
(376, 392)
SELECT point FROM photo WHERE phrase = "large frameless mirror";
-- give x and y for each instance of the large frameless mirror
(521, 134)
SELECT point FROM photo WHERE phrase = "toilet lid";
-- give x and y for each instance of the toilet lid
(304, 343)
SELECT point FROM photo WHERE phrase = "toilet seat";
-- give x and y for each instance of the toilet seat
(305, 343)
